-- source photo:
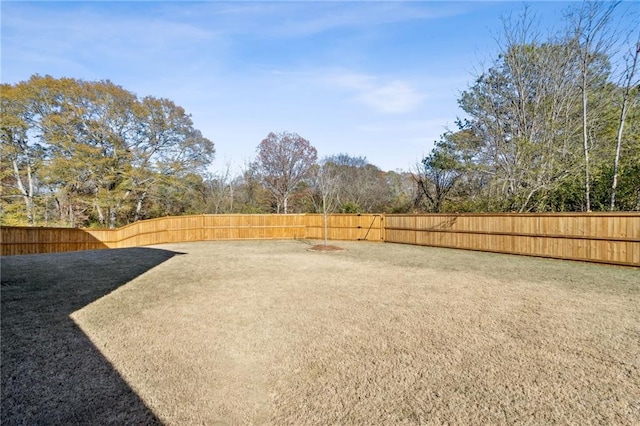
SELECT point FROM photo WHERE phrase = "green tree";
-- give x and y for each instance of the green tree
(20, 157)
(438, 173)
(94, 148)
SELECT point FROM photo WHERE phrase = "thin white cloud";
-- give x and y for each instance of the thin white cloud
(98, 29)
(387, 97)
(330, 16)
(395, 97)
(102, 41)
(295, 19)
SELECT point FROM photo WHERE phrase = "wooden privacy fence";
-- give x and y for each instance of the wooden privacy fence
(31, 240)
(612, 238)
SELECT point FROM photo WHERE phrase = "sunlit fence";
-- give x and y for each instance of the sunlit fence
(30, 240)
(612, 238)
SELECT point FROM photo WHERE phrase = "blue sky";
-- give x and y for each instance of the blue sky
(374, 79)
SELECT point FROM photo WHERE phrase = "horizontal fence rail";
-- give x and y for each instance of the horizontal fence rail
(612, 238)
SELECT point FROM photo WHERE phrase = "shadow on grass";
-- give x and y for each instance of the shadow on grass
(51, 371)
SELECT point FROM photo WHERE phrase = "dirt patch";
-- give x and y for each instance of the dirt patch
(268, 333)
(325, 247)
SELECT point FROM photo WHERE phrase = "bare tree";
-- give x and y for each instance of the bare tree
(249, 194)
(326, 181)
(284, 161)
(402, 191)
(593, 40)
(629, 82)
(362, 187)
(218, 191)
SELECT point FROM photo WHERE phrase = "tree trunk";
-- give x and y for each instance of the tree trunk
(141, 199)
(585, 138)
(324, 212)
(100, 215)
(27, 193)
(616, 162)
(113, 217)
(630, 72)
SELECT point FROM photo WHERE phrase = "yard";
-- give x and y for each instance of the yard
(269, 332)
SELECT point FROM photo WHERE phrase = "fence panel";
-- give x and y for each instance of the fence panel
(28, 240)
(594, 237)
(346, 227)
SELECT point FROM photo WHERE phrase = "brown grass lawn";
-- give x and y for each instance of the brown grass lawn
(269, 332)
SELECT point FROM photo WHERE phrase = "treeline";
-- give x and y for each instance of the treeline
(78, 153)
(552, 125)
(287, 177)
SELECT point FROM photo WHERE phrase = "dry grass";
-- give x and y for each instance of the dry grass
(270, 332)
